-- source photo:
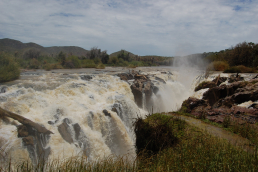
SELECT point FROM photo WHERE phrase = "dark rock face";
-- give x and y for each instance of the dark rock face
(219, 80)
(234, 78)
(68, 129)
(208, 84)
(106, 113)
(142, 91)
(160, 79)
(3, 89)
(142, 88)
(125, 76)
(35, 137)
(64, 130)
(86, 77)
(219, 102)
(35, 142)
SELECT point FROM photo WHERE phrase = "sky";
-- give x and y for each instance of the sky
(143, 27)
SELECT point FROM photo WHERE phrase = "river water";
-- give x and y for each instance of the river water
(70, 103)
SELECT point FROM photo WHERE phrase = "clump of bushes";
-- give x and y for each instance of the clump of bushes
(240, 69)
(157, 132)
(87, 63)
(9, 69)
(218, 66)
(100, 66)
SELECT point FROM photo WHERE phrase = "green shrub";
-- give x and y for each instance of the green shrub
(113, 60)
(72, 62)
(240, 69)
(34, 64)
(100, 66)
(9, 69)
(157, 132)
(87, 63)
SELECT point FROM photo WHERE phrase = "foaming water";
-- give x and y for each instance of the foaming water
(91, 117)
(51, 99)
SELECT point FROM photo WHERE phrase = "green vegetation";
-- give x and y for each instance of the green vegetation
(243, 57)
(240, 69)
(9, 69)
(246, 130)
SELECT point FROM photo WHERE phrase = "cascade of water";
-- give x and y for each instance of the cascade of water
(91, 117)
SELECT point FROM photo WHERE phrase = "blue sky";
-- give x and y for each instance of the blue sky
(143, 27)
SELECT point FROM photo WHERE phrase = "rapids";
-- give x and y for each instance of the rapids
(71, 104)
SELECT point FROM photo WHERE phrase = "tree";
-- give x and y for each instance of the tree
(61, 58)
(32, 53)
(9, 69)
(104, 57)
(125, 56)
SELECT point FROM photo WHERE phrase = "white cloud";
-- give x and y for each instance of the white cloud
(143, 27)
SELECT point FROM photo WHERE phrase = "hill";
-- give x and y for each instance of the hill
(16, 47)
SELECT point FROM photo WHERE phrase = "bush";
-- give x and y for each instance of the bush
(87, 63)
(9, 69)
(218, 66)
(73, 62)
(240, 69)
(157, 132)
(113, 60)
(100, 66)
(34, 64)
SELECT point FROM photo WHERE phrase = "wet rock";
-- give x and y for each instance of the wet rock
(125, 76)
(155, 89)
(64, 130)
(28, 141)
(160, 80)
(77, 130)
(235, 78)
(35, 137)
(221, 101)
(137, 88)
(86, 77)
(3, 89)
(106, 113)
(218, 80)
(22, 131)
(205, 84)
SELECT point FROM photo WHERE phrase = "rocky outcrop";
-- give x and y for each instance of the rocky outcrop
(86, 77)
(73, 134)
(35, 137)
(210, 84)
(235, 78)
(221, 101)
(3, 89)
(142, 88)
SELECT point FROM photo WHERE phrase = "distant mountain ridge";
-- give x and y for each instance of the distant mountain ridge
(13, 46)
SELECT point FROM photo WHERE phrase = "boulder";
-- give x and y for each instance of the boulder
(235, 78)
(220, 101)
(3, 89)
(86, 77)
(65, 132)
(125, 76)
(106, 113)
(205, 84)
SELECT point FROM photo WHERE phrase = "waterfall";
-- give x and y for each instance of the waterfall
(90, 116)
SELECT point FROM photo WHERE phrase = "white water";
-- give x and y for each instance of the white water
(52, 97)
